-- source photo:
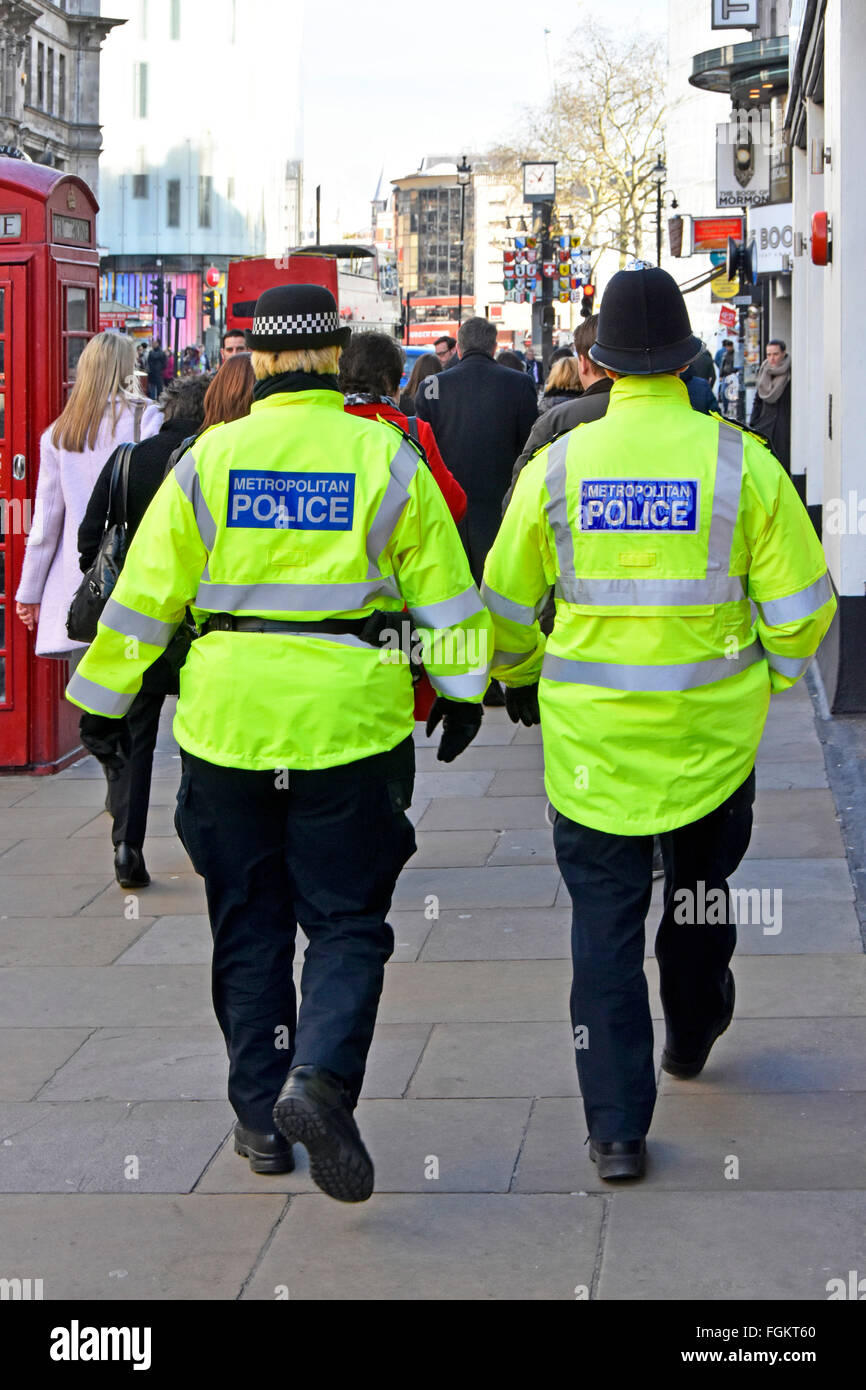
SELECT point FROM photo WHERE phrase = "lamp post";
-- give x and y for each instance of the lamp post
(659, 173)
(464, 173)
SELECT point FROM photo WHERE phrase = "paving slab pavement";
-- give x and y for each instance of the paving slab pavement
(114, 1066)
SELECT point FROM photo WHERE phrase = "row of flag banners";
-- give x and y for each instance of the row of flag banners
(523, 272)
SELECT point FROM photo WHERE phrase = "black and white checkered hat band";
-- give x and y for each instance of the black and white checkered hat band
(285, 325)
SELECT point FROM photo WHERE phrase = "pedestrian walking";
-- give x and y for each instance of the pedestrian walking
(771, 411)
(563, 384)
(507, 358)
(105, 408)
(156, 363)
(232, 343)
(182, 403)
(481, 414)
(659, 527)
(532, 366)
(370, 371)
(445, 349)
(426, 365)
(700, 392)
(229, 392)
(590, 405)
(296, 535)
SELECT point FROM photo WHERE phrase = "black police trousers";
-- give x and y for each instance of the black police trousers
(609, 878)
(323, 851)
(129, 788)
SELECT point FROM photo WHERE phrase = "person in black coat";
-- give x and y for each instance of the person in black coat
(771, 412)
(481, 414)
(129, 789)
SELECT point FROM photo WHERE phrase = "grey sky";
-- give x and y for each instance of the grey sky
(389, 82)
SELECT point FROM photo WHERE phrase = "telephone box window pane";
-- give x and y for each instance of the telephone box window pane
(2, 360)
(2, 625)
(74, 349)
(2, 414)
(76, 310)
(2, 680)
(2, 311)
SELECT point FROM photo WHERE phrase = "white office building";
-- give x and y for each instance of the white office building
(200, 107)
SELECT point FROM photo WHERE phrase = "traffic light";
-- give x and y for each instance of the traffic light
(157, 295)
(209, 304)
(587, 304)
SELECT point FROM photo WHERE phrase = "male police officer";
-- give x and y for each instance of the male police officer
(287, 532)
(657, 525)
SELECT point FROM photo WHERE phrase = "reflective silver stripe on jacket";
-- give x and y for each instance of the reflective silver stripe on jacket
(459, 687)
(790, 609)
(511, 658)
(292, 598)
(792, 666)
(130, 623)
(506, 608)
(613, 676)
(716, 587)
(450, 610)
(186, 474)
(98, 697)
(403, 467)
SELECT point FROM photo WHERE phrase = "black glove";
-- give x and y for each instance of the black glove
(107, 739)
(460, 724)
(521, 704)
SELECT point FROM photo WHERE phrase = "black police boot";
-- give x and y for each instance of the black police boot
(267, 1153)
(686, 1067)
(129, 867)
(314, 1108)
(619, 1158)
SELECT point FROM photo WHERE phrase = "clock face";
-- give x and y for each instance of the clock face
(539, 180)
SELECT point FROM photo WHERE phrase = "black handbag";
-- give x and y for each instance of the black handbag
(99, 580)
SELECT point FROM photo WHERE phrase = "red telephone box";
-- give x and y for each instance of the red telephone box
(49, 287)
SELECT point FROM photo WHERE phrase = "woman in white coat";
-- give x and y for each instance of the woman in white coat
(105, 408)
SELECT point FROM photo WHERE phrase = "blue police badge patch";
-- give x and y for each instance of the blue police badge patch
(639, 504)
(291, 501)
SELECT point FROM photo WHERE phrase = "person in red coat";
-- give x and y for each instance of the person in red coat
(370, 371)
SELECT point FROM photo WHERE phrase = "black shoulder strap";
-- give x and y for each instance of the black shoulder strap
(412, 422)
(119, 481)
(138, 411)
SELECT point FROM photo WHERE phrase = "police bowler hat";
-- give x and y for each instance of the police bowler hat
(643, 325)
(291, 318)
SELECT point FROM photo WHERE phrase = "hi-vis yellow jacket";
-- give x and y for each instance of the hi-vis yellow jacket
(300, 511)
(657, 525)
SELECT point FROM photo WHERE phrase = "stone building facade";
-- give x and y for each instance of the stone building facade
(49, 82)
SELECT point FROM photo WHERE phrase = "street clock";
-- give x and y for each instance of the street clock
(539, 182)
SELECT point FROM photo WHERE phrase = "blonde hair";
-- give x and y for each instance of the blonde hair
(105, 377)
(563, 376)
(324, 361)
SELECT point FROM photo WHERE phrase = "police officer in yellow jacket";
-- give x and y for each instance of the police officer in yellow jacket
(296, 536)
(657, 528)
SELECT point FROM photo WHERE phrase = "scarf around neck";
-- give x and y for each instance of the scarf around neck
(369, 398)
(771, 381)
(293, 381)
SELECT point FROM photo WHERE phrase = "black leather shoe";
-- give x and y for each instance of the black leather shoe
(314, 1108)
(621, 1158)
(685, 1068)
(129, 867)
(267, 1153)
